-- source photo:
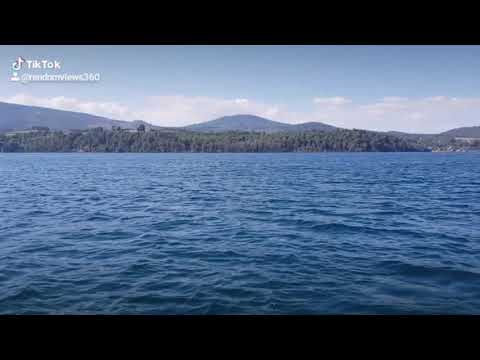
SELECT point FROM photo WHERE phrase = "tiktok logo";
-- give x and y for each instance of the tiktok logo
(17, 65)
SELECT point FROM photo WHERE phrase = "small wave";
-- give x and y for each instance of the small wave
(337, 227)
(24, 293)
(429, 272)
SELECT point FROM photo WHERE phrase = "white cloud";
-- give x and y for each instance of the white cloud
(177, 110)
(436, 98)
(107, 109)
(173, 110)
(416, 116)
(394, 99)
(430, 114)
(337, 100)
(433, 114)
(383, 107)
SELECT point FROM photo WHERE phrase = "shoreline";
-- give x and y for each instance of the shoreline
(244, 153)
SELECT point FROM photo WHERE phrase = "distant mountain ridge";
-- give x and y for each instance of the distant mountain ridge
(21, 117)
(312, 125)
(238, 123)
(252, 123)
(465, 132)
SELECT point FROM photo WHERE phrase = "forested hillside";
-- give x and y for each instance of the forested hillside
(101, 140)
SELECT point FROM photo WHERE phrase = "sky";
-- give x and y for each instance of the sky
(425, 89)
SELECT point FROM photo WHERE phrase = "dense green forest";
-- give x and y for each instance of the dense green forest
(118, 140)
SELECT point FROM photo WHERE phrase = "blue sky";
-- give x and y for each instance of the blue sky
(407, 88)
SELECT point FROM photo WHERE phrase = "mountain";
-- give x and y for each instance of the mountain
(413, 136)
(443, 138)
(465, 132)
(252, 123)
(20, 117)
(249, 123)
(310, 126)
(450, 140)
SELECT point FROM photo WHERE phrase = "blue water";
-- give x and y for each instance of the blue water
(240, 233)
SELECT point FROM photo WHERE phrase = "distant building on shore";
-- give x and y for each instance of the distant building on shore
(34, 129)
(467, 139)
(41, 128)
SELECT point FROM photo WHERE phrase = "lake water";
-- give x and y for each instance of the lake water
(374, 233)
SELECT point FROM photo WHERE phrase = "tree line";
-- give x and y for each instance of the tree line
(117, 140)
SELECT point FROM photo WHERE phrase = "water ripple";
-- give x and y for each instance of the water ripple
(239, 233)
